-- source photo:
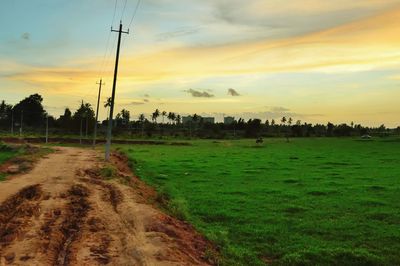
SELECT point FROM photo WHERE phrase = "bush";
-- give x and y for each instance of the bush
(108, 172)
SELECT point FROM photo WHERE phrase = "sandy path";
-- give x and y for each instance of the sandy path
(62, 214)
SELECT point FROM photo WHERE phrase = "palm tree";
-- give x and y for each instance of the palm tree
(170, 116)
(173, 117)
(155, 115)
(195, 117)
(107, 104)
(142, 119)
(163, 114)
(283, 120)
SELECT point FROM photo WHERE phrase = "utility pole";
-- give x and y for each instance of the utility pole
(97, 114)
(47, 128)
(22, 120)
(110, 120)
(87, 124)
(12, 121)
(80, 131)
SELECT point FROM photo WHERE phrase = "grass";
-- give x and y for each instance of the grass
(22, 156)
(307, 202)
(6, 153)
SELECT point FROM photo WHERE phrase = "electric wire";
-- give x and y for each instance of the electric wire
(123, 10)
(134, 13)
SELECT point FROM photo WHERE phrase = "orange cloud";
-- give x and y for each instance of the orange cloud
(366, 44)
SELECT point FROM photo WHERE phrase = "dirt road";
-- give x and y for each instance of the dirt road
(62, 213)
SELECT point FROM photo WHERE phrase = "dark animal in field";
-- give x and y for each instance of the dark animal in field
(259, 141)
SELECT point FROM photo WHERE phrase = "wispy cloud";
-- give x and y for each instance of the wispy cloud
(137, 102)
(26, 36)
(184, 31)
(202, 94)
(278, 109)
(233, 92)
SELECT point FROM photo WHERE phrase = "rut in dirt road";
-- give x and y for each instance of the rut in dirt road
(64, 213)
(71, 227)
(15, 213)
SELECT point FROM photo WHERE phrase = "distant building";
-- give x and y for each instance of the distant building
(208, 120)
(229, 120)
(188, 119)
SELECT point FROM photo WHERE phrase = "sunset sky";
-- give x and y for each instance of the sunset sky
(313, 60)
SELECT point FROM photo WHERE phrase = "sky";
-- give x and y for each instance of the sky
(312, 60)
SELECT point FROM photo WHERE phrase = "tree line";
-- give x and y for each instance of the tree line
(29, 114)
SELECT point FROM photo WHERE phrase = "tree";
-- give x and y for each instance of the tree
(163, 114)
(283, 120)
(398, 130)
(126, 115)
(171, 116)
(5, 114)
(155, 115)
(32, 110)
(329, 130)
(195, 119)
(289, 130)
(107, 103)
(178, 119)
(142, 119)
(85, 112)
(65, 121)
(253, 128)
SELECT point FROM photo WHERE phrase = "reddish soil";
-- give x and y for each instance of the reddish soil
(63, 213)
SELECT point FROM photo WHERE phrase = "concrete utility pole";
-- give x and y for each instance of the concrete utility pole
(12, 121)
(47, 129)
(22, 120)
(97, 113)
(80, 131)
(87, 124)
(110, 120)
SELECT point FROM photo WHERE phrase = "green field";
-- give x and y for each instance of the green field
(307, 202)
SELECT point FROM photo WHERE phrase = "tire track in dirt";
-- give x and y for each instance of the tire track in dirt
(16, 213)
(77, 210)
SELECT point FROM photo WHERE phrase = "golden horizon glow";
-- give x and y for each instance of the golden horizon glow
(341, 57)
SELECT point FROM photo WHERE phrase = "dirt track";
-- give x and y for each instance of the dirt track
(62, 213)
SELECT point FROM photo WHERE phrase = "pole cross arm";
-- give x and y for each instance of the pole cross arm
(126, 32)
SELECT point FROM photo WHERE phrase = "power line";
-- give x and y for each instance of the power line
(123, 10)
(134, 13)
(108, 40)
(133, 17)
(115, 10)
